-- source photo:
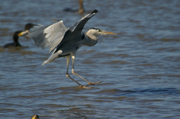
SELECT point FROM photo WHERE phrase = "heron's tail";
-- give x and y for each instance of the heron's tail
(52, 57)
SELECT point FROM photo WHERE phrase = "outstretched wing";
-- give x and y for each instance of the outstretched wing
(48, 36)
(80, 24)
(72, 35)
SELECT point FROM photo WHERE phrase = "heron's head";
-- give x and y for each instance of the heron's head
(97, 31)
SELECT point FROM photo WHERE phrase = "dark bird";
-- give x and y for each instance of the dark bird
(64, 42)
(29, 26)
(18, 34)
(35, 117)
(15, 42)
(81, 9)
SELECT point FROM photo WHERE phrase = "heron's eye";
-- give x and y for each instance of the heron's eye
(99, 30)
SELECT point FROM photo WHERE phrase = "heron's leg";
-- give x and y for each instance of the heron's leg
(67, 75)
(73, 72)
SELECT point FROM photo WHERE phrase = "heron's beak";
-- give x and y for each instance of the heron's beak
(107, 32)
(23, 33)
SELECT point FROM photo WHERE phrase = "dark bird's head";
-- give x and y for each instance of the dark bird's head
(35, 117)
(17, 34)
(28, 26)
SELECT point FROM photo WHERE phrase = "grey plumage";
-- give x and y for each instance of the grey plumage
(65, 42)
(48, 36)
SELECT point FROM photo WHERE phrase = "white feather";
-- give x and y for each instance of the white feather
(48, 36)
(52, 57)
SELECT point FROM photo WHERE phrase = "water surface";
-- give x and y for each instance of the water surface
(139, 67)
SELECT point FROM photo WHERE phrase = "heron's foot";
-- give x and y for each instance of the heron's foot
(84, 87)
(93, 83)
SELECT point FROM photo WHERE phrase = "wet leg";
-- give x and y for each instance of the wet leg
(67, 75)
(73, 72)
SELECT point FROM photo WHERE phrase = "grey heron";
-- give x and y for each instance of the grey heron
(16, 36)
(64, 42)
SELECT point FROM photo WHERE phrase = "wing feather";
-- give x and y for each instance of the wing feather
(73, 33)
(48, 36)
(80, 24)
(57, 34)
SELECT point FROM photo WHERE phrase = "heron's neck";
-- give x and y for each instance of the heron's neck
(90, 39)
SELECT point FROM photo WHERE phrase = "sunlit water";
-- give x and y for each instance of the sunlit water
(139, 67)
